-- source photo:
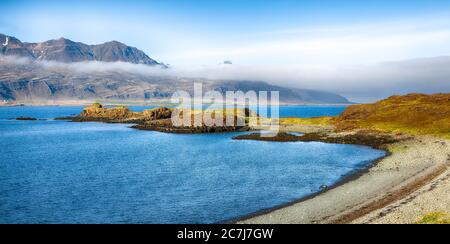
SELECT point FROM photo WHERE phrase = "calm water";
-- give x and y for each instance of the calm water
(62, 172)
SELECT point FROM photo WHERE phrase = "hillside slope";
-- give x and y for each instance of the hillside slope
(415, 114)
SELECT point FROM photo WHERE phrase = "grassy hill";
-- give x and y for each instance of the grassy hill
(414, 114)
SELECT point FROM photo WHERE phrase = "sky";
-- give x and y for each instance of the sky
(293, 35)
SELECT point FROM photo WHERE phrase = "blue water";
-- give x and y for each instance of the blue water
(63, 172)
(310, 111)
(53, 111)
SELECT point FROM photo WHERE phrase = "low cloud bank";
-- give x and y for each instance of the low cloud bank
(361, 83)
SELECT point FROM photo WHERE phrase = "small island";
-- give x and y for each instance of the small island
(26, 119)
(160, 119)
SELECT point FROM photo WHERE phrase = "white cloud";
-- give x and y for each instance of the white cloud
(334, 45)
(360, 83)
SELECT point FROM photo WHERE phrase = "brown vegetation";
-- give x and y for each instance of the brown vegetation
(414, 114)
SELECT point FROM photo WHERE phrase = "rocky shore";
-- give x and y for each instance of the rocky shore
(367, 138)
(401, 188)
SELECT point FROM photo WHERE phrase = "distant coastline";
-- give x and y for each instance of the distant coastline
(133, 103)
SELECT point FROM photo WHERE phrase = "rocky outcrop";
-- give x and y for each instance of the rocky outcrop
(98, 112)
(157, 114)
(239, 119)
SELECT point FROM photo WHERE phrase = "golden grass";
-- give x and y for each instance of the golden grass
(413, 114)
(319, 121)
(435, 218)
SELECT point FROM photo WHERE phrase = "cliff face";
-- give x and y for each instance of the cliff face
(413, 114)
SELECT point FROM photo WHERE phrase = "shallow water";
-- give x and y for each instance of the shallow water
(63, 172)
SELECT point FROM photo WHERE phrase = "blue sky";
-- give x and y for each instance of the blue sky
(359, 49)
(251, 32)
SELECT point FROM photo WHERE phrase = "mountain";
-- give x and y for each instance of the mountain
(287, 95)
(14, 47)
(66, 79)
(67, 51)
(31, 82)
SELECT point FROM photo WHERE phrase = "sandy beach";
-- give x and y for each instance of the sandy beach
(401, 188)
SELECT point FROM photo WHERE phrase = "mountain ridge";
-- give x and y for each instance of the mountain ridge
(67, 51)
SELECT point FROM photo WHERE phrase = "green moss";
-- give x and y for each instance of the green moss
(435, 218)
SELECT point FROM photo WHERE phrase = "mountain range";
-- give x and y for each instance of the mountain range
(65, 50)
(33, 80)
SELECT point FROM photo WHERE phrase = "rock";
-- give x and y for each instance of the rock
(26, 118)
(97, 112)
(157, 113)
(323, 187)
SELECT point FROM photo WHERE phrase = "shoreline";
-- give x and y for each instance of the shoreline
(347, 178)
(355, 196)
